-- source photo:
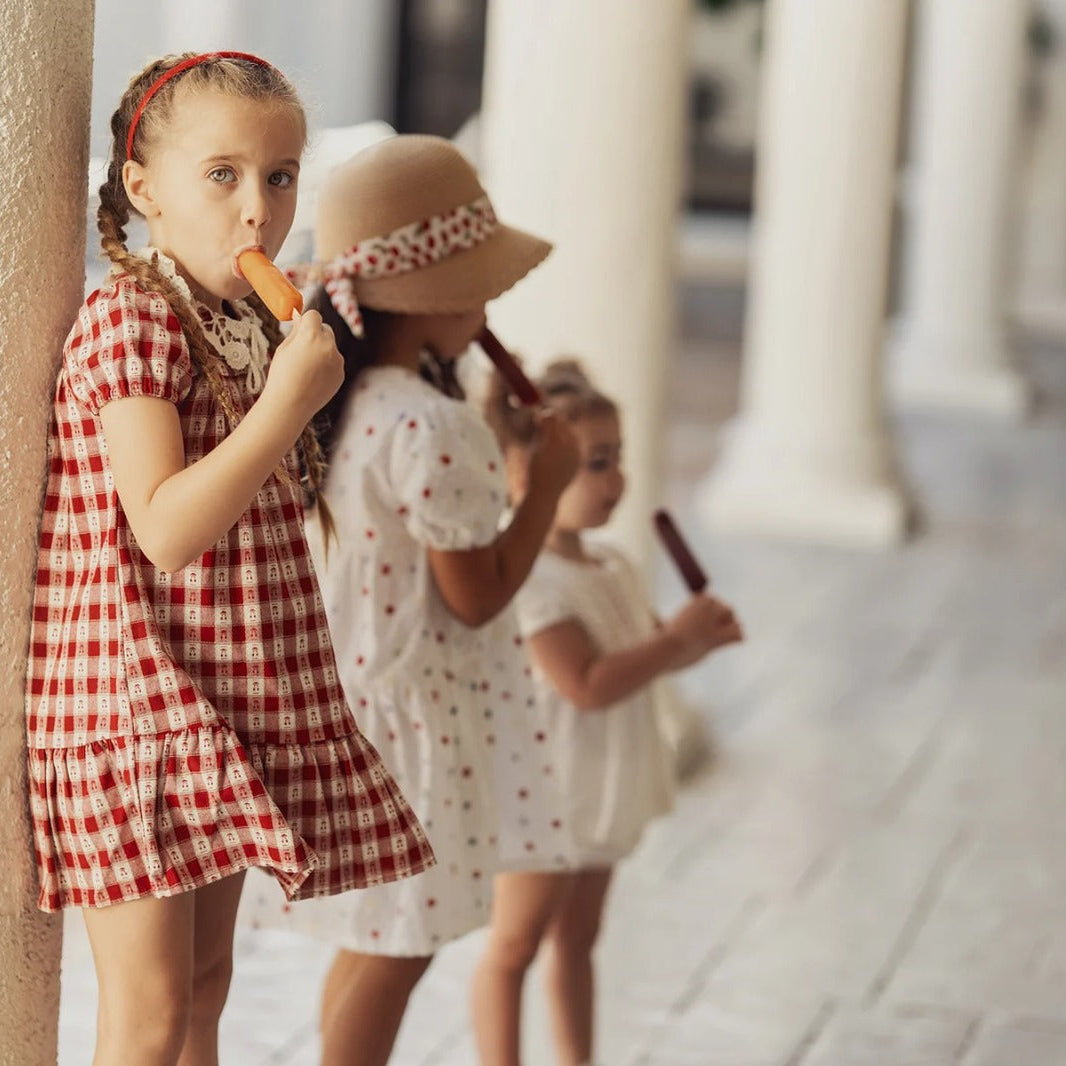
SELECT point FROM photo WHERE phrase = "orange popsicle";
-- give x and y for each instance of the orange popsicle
(274, 289)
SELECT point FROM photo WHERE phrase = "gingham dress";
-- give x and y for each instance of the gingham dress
(186, 726)
(448, 706)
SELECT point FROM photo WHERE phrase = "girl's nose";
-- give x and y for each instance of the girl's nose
(256, 209)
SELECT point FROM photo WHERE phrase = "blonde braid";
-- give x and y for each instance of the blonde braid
(311, 454)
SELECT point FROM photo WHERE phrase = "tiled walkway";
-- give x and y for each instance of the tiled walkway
(873, 871)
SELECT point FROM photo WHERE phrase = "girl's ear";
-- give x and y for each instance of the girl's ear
(138, 187)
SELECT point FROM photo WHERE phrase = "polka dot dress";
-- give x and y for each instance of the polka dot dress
(447, 706)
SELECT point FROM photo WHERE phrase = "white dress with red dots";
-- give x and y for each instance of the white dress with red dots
(612, 764)
(444, 704)
(185, 726)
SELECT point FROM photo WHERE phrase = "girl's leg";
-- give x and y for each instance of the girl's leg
(571, 938)
(368, 996)
(143, 954)
(215, 917)
(340, 973)
(522, 907)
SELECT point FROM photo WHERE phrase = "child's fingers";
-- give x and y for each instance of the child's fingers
(545, 419)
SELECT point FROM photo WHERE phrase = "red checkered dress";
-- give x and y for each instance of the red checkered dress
(186, 726)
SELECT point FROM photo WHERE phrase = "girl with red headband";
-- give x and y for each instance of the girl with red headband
(419, 579)
(185, 716)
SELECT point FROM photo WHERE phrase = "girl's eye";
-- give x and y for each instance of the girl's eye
(281, 179)
(598, 465)
(222, 176)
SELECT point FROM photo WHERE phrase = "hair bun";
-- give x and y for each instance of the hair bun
(563, 376)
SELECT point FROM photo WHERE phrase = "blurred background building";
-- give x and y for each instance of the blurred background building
(818, 250)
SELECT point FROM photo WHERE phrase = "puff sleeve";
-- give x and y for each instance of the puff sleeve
(126, 342)
(446, 471)
(547, 598)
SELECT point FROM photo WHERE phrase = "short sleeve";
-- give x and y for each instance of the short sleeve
(446, 471)
(546, 598)
(126, 342)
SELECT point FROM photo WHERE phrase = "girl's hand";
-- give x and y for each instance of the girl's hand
(555, 455)
(701, 626)
(306, 369)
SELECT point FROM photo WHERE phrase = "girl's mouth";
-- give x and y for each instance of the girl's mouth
(236, 257)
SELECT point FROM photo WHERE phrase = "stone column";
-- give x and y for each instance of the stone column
(808, 455)
(46, 59)
(581, 142)
(951, 347)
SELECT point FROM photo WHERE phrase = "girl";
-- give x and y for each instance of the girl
(418, 577)
(185, 717)
(597, 650)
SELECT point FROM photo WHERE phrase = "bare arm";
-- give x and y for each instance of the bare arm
(176, 511)
(592, 681)
(476, 585)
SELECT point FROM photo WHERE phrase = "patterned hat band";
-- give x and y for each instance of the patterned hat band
(411, 247)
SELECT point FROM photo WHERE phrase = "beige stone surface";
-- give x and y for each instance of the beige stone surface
(45, 70)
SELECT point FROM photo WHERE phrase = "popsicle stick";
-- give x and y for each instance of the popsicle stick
(527, 393)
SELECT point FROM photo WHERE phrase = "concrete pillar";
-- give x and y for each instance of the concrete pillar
(951, 347)
(46, 59)
(808, 455)
(581, 142)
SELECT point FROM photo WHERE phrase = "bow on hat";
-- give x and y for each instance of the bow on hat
(411, 247)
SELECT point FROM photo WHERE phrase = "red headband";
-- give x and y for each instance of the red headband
(180, 68)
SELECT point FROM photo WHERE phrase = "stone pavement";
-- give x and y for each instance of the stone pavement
(871, 871)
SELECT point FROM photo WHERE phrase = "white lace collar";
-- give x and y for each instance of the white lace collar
(237, 338)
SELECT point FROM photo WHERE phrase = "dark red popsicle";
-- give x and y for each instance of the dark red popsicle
(675, 544)
(528, 394)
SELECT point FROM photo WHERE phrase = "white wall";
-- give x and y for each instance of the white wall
(342, 59)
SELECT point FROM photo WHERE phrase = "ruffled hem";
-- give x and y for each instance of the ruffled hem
(126, 817)
(349, 809)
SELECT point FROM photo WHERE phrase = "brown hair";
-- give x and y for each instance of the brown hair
(360, 353)
(566, 390)
(234, 77)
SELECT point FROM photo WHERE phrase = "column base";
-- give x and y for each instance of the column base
(951, 372)
(843, 495)
(1043, 316)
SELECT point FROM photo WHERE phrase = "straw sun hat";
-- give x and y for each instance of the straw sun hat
(404, 180)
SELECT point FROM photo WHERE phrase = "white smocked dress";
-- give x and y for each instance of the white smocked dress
(613, 765)
(444, 704)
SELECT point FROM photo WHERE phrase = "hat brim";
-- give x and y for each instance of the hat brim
(465, 281)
